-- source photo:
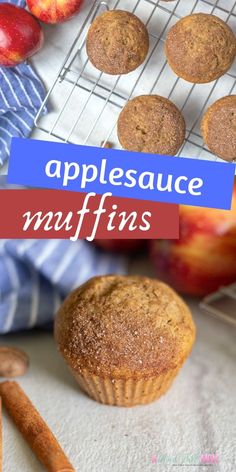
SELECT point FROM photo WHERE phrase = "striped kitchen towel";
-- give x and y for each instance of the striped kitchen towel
(21, 95)
(35, 275)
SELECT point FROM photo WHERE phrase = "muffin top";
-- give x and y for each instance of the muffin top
(219, 128)
(152, 124)
(124, 326)
(200, 48)
(117, 42)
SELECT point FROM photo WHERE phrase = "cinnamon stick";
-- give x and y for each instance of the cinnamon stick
(33, 428)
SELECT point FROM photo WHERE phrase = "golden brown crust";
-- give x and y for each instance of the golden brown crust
(152, 124)
(200, 48)
(117, 42)
(219, 128)
(124, 327)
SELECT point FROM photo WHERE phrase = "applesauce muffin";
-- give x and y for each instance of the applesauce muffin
(124, 338)
(219, 128)
(152, 124)
(117, 42)
(200, 48)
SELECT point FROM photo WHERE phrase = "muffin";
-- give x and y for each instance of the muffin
(124, 338)
(153, 124)
(117, 42)
(200, 48)
(219, 128)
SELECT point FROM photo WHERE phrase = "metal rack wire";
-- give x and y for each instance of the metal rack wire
(222, 304)
(87, 103)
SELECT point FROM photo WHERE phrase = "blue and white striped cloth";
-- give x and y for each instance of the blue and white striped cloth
(21, 95)
(35, 275)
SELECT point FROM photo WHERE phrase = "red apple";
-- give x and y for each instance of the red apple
(20, 35)
(120, 245)
(204, 258)
(54, 11)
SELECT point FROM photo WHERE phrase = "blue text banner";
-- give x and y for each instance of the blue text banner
(125, 174)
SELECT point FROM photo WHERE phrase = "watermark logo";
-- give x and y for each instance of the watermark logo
(186, 459)
(209, 459)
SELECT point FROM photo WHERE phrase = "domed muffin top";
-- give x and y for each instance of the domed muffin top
(124, 326)
(152, 124)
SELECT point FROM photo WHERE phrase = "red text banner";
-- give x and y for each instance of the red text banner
(45, 214)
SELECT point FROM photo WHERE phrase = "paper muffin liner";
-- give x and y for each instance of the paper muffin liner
(122, 392)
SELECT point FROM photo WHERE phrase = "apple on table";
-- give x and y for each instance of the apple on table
(21, 35)
(204, 258)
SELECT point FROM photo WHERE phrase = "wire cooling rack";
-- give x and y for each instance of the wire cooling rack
(86, 103)
(222, 304)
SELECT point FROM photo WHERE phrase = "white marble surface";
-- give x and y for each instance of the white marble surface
(196, 416)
